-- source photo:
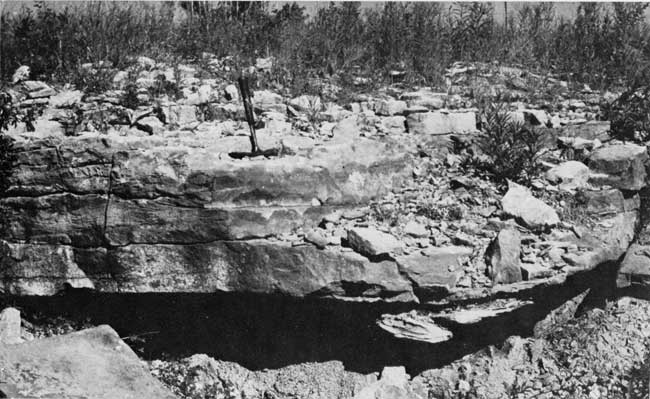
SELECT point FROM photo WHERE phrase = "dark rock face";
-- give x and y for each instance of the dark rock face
(504, 257)
(172, 214)
(93, 363)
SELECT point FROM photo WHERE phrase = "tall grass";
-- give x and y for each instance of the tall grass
(606, 44)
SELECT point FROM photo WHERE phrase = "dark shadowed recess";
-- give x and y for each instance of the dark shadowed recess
(272, 331)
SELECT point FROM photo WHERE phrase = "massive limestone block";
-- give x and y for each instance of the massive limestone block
(258, 266)
(176, 213)
(436, 123)
(93, 363)
(621, 166)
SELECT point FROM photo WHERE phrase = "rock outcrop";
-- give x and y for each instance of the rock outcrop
(167, 214)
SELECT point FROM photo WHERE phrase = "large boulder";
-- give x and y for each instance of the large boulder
(93, 363)
(437, 123)
(621, 166)
(532, 212)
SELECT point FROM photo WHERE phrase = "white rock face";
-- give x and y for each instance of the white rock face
(436, 123)
(10, 326)
(532, 212)
(569, 175)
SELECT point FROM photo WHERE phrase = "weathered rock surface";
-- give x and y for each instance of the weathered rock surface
(371, 242)
(415, 327)
(635, 266)
(504, 257)
(93, 363)
(131, 214)
(10, 326)
(202, 376)
(437, 270)
(620, 166)
(569, 175)
(532, 212)
(436, 123)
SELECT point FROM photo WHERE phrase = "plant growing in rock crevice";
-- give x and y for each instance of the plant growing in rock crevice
(507, 149)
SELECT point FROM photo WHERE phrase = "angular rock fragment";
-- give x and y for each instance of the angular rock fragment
(372, 242)
(503, 257)
(636, 265)
(436, 270)
(532, 212)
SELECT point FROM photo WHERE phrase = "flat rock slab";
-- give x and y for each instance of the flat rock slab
(93, 363)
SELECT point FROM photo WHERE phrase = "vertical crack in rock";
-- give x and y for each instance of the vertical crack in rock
(108, 200)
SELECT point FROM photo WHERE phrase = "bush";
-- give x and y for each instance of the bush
(630, 115)
(508, 149)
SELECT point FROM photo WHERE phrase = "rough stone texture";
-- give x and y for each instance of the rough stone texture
(10, 326)
(636, 265)
(437, 270)
(435, 123)
(620, 166)
(202, 376)
(390, 107)
(532, 212)
(414, 326)
(93, 363)
(569, 175)
(504, 257)
(394, 383)
(371, 242)
(118, 213)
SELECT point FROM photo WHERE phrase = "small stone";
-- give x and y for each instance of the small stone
(317, 238)
(532, 271)
(621, 166)
(315, 202)
(372, 242)
(416, 229)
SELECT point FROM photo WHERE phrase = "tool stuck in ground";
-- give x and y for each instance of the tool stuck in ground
(245, 92)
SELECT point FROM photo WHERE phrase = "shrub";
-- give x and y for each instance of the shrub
(630, 115)
(508, 149)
